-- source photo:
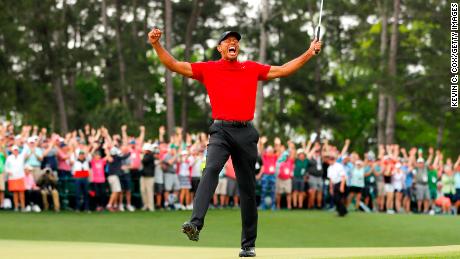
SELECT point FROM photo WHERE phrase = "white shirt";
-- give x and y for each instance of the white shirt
(80, 166)
(15, 166)
(335, 172)
(196, 166)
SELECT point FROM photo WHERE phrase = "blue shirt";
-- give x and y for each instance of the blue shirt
(33, 158)
(457, 180)
(357, 177)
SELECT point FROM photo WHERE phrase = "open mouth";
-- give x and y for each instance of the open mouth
(232, 50)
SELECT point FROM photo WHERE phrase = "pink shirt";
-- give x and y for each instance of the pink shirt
(269, 163)
(29, 182)
(229, 170)
(135, 158)
(98, 166)
(63, 163)
(286, 169)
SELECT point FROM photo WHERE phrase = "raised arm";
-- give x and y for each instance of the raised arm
(124, 135)
(458, 162)
(294, 65)
(183, 68)
(345, 147)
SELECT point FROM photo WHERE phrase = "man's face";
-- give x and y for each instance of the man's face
(229, 48)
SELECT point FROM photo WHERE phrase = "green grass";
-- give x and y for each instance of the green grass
(276, 229)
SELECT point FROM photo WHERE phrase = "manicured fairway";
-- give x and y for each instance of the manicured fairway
(280, 229)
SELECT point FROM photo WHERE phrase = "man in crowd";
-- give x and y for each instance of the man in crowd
(337, 183)
(48, 187)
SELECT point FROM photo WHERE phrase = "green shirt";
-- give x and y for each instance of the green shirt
(432, 179)
(2, 163)
(300, 167)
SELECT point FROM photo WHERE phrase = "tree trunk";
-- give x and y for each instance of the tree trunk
(121, 60)
(106, 87)
(64, 128)
(392, 104)
(191, 25)
(262, 59)
(170, 119)
(58, 72)
(382, 97)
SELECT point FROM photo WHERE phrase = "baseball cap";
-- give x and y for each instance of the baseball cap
(420, 160)
(226, 34)
(300, 150)
(15, 147)
(114, 151)
(147, 147)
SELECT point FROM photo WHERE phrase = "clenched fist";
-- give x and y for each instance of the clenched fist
(154, 35)
(315, 46)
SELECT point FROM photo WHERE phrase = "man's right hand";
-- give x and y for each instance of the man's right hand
(154, 35)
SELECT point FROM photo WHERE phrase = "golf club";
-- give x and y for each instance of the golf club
(318, 28)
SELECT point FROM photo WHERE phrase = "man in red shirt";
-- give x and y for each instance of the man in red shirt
(232, 87)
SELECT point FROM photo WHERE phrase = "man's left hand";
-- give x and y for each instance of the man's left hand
(315, 46)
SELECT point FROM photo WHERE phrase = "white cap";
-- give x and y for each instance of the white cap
(420, 160)
(114, 151)
(15, 147)
(398, 165)
(300, 150)
(147, 147)
(184, 152)
(28, 167)
(359, 162)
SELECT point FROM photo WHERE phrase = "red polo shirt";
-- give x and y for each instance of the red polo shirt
(232, 86)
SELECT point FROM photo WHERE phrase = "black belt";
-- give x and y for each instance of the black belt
(233, 123)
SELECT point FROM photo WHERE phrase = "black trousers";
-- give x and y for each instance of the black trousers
(239, 142)
(339, 200)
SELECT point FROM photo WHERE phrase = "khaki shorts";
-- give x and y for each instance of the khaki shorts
(221, 188)
(114, 183)
(380, 188)
(315, 182)
(283, 186)
(2, 182)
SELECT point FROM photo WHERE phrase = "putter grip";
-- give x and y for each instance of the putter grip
(318, 30)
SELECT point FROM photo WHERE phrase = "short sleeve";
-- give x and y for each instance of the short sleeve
(262, 71)
(198, 70)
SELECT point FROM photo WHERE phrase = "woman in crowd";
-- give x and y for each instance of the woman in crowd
(14, 167)
(98, 179)
(185, 181)
(32, 192)
(388, 171)
(356, 183)
(397, 181)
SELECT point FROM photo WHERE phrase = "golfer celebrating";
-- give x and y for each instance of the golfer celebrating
(232, 87)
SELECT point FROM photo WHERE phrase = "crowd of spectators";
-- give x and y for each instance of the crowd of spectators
(95, 170)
